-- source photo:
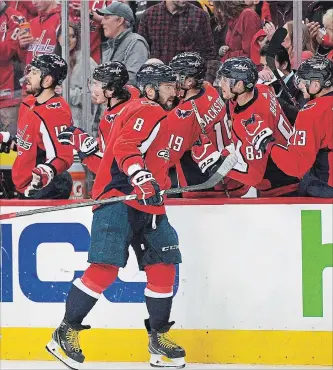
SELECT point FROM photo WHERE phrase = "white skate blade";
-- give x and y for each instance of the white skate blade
(55, 350)
(166, 362)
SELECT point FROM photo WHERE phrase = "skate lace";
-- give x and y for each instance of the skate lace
(165, 341)
(72, 337)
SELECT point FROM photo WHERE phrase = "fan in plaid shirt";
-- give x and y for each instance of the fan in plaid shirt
(173, 27)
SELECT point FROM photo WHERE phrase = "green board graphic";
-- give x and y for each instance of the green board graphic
(316, 256)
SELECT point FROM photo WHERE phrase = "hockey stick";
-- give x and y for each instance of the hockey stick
(203, 130)
(273, 48)
(225, 167)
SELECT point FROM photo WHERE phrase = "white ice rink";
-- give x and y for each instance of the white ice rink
(52, 365)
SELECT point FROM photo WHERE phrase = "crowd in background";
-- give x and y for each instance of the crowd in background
(217, 30)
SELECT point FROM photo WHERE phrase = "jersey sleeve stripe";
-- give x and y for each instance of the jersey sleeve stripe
(50, 148)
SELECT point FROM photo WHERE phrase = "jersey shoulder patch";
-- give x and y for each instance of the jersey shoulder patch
(309, 106)
(183, 113)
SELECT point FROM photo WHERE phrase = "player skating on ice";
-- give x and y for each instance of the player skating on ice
(135, 161)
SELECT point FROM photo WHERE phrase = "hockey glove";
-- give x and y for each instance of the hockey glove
(261, 140)
(7, 143)
(82, 142)
(205, 155)
(42, 175)
(146, 188)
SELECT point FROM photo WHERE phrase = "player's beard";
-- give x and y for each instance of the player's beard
(32, 90)
(179, 5)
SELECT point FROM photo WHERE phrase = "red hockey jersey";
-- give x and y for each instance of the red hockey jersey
(311, 145)
(44, 29)
(10, 89)
(105, 126)
(37, 131)
(139, 136)
(184, 130)
(254, 167)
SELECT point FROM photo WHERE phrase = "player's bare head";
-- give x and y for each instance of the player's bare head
(190, 69)
(157, 82)
(44, 72)
(237, 76)
(315, 75)
(109, 80)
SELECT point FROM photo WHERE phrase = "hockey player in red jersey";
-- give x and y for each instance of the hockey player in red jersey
(199, 102)
(256, 109)
(132, 163)
(39, 171)
(108, 86)
(309, 155)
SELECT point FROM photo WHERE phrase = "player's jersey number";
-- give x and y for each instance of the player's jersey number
(138, 124)
(175, 142)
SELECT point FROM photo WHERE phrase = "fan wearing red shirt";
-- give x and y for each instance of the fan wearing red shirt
(42, 37)
(10, 89)
(109, 85)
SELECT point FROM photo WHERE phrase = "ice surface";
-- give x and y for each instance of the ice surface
(53, 365)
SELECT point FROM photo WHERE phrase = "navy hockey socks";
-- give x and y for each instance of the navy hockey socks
(159, 310)
(80, 301)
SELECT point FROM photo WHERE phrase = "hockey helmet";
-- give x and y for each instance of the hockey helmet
(154, 74)
(189, 64)
(316, 68)
(112, 75)
(239, 69)
(50, 64)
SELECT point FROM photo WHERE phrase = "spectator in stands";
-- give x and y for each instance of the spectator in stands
(123, 44)
(281, 11)
(26, 8)
(95, 24)
(261, 8)
(283, 65)
(243, 23)
(315, 11)
(323, 39)
(172, 27)
(75, 65)
(10, 90)
(288, 43)
(42, 37)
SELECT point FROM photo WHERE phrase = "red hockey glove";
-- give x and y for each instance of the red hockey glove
(205, 155)
(42, 175)
(146, 188)
(7, 143)
(258, 135)
(82, 142)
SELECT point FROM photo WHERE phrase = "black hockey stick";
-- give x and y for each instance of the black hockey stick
(225, 167)
(273, 48)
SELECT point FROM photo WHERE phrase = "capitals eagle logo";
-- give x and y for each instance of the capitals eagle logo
(110, 117)
(182, 113)
(54, 105)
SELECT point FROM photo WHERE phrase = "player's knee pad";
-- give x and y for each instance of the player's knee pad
(99, 277)
(160, 280)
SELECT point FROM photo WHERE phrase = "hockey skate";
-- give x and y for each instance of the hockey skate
(65, 345)
(164, 352)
